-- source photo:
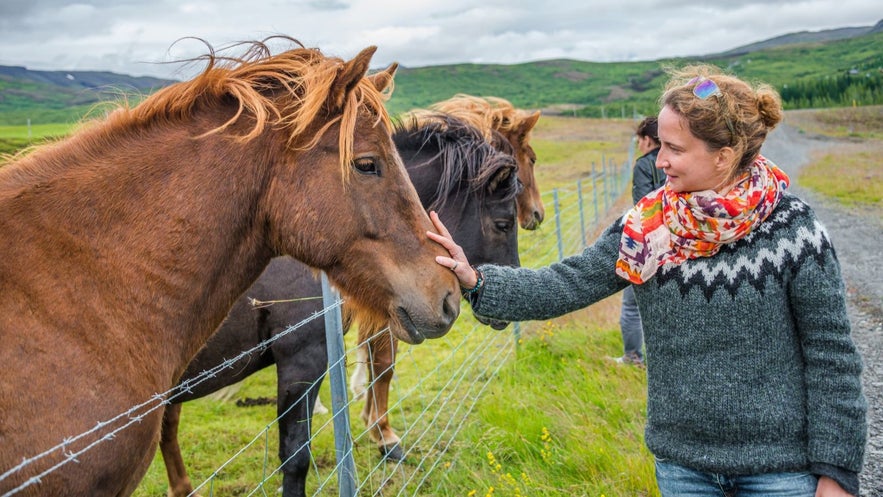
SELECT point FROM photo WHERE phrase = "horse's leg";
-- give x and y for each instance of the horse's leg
(319, 407)
(297, 374)
(381, 352)
(359, 378)
(179, 482)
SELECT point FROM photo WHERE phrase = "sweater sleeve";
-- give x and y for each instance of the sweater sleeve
(522, 294)
(836, 407)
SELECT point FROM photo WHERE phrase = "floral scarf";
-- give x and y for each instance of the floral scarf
(668, 227)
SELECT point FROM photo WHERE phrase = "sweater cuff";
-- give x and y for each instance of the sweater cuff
(845, 478)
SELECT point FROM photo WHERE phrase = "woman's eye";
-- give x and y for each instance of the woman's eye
(366, 165)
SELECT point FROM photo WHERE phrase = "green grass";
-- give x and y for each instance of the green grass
(852, 178)
(16, 138)
(851, 170)
(561, 419)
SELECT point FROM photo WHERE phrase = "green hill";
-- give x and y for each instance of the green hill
(613, 87)
(828, 70)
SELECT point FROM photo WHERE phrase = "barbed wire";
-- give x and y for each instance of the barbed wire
(135, 416)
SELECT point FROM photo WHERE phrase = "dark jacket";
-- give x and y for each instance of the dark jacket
(646, 177)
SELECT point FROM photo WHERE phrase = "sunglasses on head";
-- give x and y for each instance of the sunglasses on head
(704, 87)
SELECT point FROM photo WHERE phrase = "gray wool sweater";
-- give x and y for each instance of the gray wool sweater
(750, 364)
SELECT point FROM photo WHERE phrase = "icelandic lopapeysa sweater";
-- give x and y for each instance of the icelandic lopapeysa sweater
(750, 364)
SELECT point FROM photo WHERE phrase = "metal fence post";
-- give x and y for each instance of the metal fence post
(582, 217)
(343, 439)
(558, 225)
(605, 179)
(595, 193)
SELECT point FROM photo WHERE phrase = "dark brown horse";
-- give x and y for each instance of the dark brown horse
(472, 187)
(125, 246)
(494, 114)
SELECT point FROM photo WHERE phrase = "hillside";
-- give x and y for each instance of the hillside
(63, 96)
(805, 37)
(591, 89)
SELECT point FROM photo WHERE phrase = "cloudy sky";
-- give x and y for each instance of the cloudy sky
(135, 36)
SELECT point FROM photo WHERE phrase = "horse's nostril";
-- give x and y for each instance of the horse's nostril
(450, 307)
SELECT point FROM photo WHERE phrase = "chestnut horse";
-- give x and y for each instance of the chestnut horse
(125, 246)
(472, 187)
(490, 114)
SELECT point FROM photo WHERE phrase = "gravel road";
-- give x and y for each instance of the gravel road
(857, 235)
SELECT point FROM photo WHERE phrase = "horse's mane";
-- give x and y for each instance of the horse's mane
(464, 154)
(488, 114)
(255, 80)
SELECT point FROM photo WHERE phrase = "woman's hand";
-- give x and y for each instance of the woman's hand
(457, 262)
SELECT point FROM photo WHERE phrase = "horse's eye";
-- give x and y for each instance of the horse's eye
(366, 165)
(503, 226)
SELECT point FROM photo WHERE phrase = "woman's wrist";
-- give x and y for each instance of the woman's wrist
(479, 282)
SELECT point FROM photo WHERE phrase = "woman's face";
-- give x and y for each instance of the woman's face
(685, 159)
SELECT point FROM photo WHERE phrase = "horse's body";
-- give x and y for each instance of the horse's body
(125, 245)
(497, 115)
(456, 173)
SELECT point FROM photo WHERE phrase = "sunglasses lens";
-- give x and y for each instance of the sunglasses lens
(706, 89)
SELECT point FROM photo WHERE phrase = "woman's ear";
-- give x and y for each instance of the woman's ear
(726, 159)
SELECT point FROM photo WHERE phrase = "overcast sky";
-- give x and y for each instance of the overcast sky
(132, 36)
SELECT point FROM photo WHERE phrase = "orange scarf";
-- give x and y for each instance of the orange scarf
(668, 227)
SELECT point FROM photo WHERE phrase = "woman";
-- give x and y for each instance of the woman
(753, 379)
(646, 178)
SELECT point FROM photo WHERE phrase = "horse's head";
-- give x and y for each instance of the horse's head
(341, 176)
(497, 115)
(530, 205)
(471, 184)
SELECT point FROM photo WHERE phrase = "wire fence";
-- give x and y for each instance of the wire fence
(436, 385)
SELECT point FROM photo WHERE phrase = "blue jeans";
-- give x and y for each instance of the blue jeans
(679, 481)
(630, 324)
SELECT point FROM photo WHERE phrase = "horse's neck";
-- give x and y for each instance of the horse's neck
(158, 236)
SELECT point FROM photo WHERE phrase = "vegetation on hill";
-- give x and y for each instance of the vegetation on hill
(615, 88)
(831, 73)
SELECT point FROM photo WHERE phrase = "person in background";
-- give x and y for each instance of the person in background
(753, 380)
(645, 179)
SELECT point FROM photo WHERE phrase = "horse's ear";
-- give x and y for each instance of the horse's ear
(349, 76)
(501, 177)
(528, 123)
(383, 79)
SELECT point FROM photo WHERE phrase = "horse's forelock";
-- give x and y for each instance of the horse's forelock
(465, 154)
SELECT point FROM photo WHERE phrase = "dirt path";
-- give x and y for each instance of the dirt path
(857, 235)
